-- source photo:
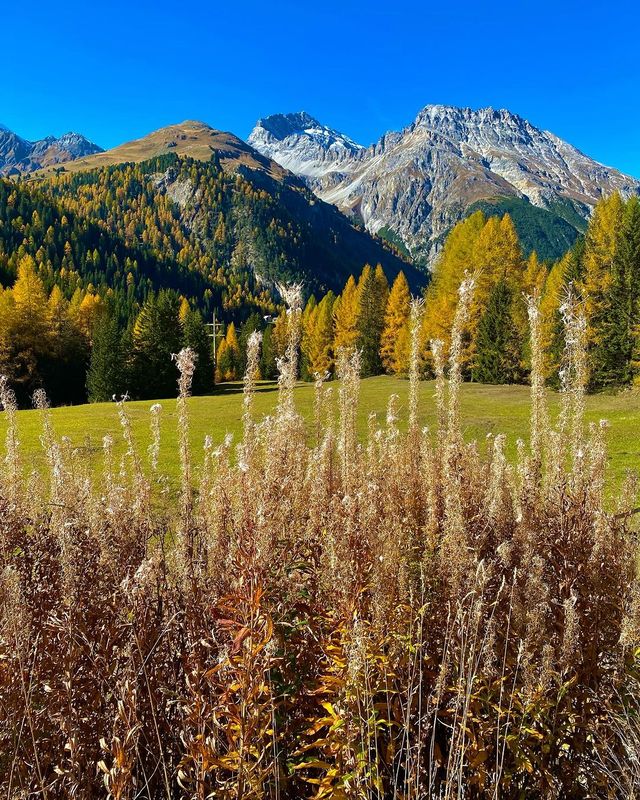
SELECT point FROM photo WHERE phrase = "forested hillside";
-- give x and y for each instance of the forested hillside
(169, 231)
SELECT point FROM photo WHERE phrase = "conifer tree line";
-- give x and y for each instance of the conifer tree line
(114, 251)
(77, 348)
(602, 270)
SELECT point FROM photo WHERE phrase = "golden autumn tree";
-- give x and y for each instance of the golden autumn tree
(280, 335)
(185, 308)
(28, 330)
(394, 350)
(455, 259)
(319, 342)
(534, 276)
(601, 242)
(228, 356)
(497, 261)
(6, 315)
(345, 316)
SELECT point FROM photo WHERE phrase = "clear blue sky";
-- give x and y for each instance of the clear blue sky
(115, 70)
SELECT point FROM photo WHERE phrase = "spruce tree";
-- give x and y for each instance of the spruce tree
(157, 335)
(106, 373)
(496, 359)
(371, 302)
(196, 336)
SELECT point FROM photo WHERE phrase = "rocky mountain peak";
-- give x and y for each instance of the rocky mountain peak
(419, 181)
(17, 155)
(282, 125)
(301, 144)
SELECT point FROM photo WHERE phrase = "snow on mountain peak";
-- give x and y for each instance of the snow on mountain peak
(302, 144)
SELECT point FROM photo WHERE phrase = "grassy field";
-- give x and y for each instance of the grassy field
(485, 409)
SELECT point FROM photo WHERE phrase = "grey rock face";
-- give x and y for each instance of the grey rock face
(18, 155)
(420, 181)
(303, 145)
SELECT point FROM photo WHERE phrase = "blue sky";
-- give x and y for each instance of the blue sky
(115, 70)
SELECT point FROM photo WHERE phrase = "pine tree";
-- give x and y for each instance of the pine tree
(396, 319)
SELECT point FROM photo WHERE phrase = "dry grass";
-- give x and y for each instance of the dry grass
(401, 617)
(190, 138)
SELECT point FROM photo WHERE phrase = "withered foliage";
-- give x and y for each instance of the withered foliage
(407, 617)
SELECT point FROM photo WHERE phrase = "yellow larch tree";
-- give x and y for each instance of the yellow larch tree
(320, 338)
(455, 259)
(345, 316)
(600, 248)
(396, 321)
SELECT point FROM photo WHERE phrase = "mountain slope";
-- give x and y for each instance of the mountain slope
(19, 156)
(418, 182)
(190, 138)
(234, 205)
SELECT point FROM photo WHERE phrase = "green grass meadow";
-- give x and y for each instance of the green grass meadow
(485, 409)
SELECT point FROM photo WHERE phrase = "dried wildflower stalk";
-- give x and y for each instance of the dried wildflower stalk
(398, 614)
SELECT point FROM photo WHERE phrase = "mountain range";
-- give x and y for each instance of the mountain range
(393, 201)
(242, 214)
(18, 155)
(415, 184)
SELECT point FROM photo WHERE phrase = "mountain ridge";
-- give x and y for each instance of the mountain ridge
(19, 156)
(419, 181)
(191, 138)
